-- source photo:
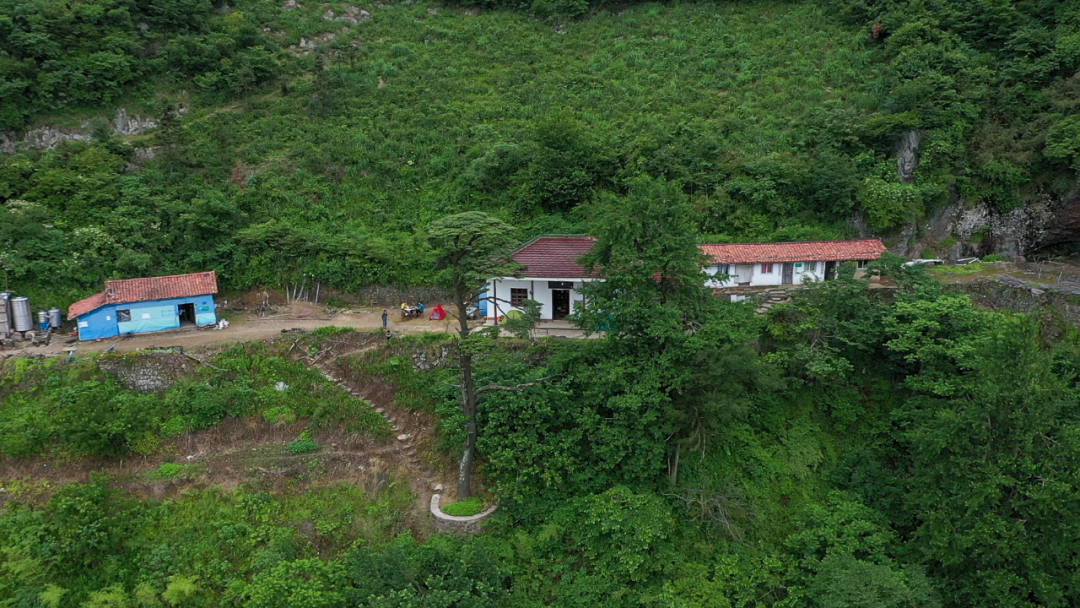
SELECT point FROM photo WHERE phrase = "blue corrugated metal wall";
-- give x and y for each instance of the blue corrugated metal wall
(155, 315)
(100, 323)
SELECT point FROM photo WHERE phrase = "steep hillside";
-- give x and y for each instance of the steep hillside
(319, 139)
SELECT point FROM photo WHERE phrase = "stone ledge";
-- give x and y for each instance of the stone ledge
(456, 523)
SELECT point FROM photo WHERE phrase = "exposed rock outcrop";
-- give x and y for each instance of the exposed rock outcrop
(148, 372)
(979, 230)
(132, 125)
(907, 159)
(49, 137)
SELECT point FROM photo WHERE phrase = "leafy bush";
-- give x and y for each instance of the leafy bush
(172, 470)
(303, 445)
(463, 508)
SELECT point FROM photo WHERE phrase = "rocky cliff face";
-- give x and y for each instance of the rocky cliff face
(960, 229)
(979, 230)
(48, 137)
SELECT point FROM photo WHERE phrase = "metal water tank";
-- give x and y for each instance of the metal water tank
(20, 311)
(43, 319)
(56, 318)
(5, 312)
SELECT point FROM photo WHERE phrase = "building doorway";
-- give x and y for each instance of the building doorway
(187, 314)
(560, 303)
(788, 274)
(830, 271)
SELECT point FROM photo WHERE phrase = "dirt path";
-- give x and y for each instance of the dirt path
(247, 327)
(412, 432)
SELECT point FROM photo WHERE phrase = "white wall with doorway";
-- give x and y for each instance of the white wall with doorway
(539, 289)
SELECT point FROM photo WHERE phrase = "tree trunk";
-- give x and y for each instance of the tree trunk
(468, 402)
(468, 397)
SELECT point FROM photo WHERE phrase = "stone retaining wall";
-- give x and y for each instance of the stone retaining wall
(454, 523)
(148, 372)
(390, 296)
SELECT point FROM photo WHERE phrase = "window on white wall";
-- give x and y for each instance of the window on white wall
(723, 269)
(766, 269)
(517, 296)
(811, 267)
(863, 263)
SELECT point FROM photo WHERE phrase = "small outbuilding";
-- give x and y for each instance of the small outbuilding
(131, 306)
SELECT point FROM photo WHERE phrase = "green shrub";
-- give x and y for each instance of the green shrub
(463, 508)
(172, 470)
(303, 445)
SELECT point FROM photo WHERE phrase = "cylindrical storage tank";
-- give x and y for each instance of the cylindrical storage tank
(55, 318)
(5, 312)
(42, 318)
(20, 311)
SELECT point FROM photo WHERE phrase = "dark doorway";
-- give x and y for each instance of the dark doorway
(187, 315)
(830, 271)
(560, 303)
(788, 275)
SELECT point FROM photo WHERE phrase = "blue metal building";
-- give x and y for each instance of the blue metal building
(150, 304)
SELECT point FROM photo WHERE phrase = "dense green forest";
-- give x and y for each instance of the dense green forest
(858, 447)
(322, 140)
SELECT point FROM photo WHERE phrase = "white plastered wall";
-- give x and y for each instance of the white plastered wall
(538, 290)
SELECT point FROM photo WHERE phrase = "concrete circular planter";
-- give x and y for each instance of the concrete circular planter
(455, 523)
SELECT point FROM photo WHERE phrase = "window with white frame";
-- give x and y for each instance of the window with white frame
(863, 263)
(811, 267)
(723, 269)
(766, 269)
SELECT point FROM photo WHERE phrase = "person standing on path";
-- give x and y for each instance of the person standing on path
(384, 317)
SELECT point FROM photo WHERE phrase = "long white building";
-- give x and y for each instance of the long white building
(553, 277)
(772, 264)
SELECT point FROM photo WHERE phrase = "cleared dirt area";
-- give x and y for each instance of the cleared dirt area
(247, 326)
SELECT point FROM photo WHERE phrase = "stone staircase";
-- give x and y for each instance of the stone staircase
(771, 297)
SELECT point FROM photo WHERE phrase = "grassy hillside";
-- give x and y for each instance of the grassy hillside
(309, 144)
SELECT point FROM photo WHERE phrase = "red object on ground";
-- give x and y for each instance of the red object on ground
(438, 313)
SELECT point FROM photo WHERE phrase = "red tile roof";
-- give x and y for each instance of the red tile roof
(143, 290)
(810, 251)
(85, 305)
(554, 256)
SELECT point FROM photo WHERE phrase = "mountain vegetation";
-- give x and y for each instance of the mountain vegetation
(856, 447)
(322, 140)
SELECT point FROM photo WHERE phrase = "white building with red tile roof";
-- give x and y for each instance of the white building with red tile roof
(553, 276)
(776, 264)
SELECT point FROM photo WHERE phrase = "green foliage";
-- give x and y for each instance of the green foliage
(303, 445)
(80, 409)
(464, 508)
(92, 545)
(522, 325)
(171, 470)
(57, 56)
